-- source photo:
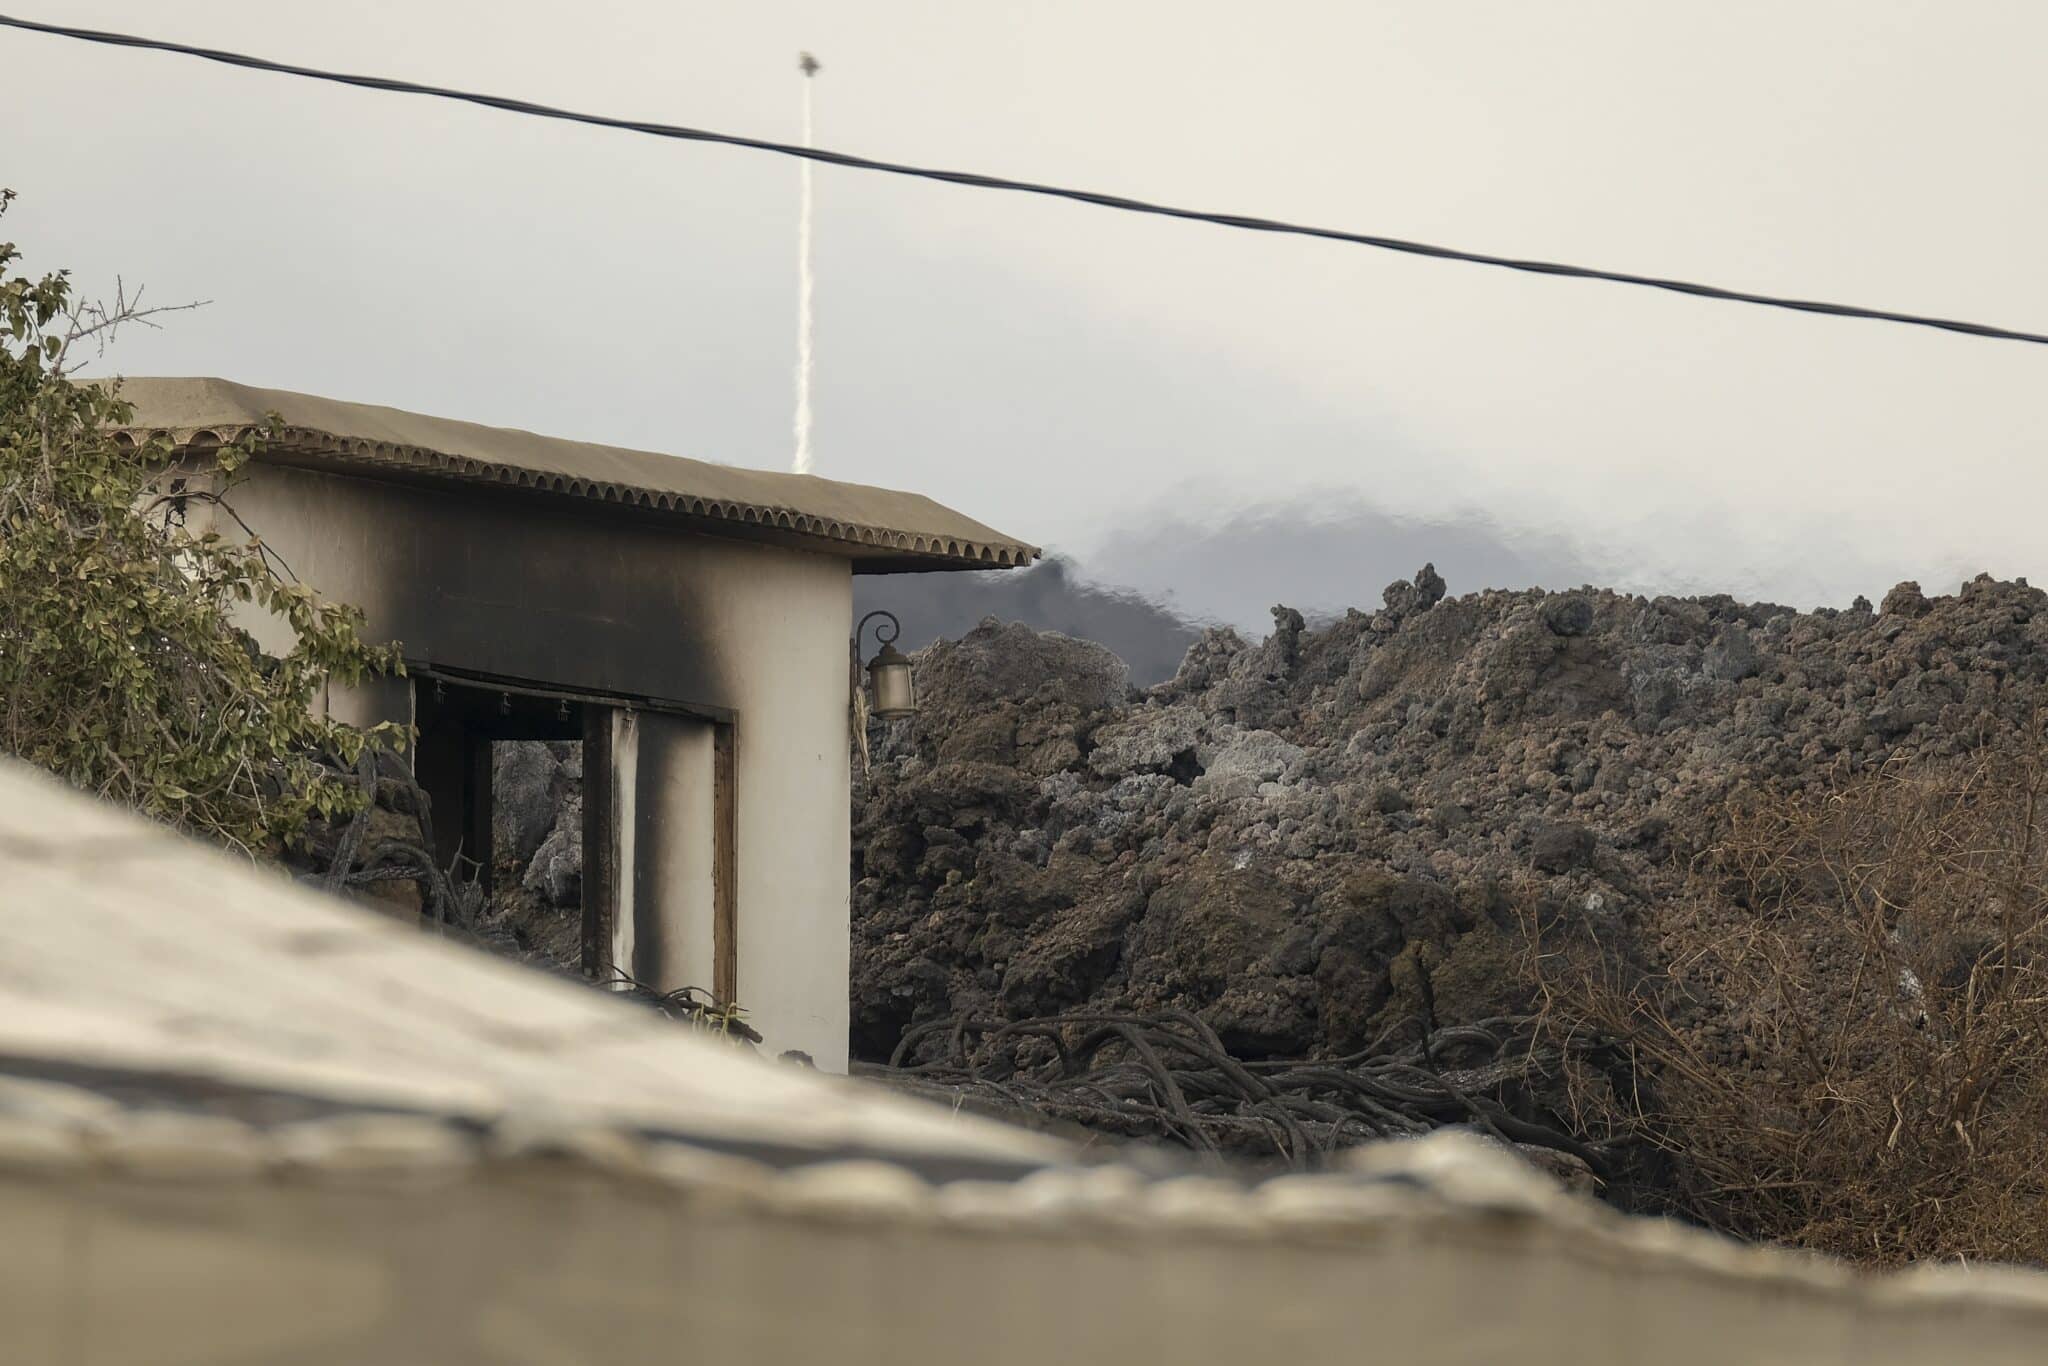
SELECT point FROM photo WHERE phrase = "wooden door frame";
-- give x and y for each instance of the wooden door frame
(601, 871)
(725, 915)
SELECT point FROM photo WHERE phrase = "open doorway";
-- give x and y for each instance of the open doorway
(502, 765)
(600, 831)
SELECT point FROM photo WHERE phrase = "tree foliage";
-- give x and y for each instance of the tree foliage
(122, 664)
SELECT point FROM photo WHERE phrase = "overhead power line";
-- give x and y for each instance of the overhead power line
(975, 180)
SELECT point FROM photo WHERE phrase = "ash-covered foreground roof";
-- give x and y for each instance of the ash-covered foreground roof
(880, 530)
(243, 1123)
(174, 973)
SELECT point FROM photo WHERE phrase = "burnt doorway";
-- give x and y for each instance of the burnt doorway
(504, 762)
(460, 722)
(655, 901)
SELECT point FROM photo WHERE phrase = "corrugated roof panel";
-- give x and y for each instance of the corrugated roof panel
(881, 529)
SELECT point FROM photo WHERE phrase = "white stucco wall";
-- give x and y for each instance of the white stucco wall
(790, 755)
(533, 589)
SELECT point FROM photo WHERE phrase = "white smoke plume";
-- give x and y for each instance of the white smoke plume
(805, 361)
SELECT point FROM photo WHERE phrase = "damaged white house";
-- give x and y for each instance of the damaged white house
(687, 622)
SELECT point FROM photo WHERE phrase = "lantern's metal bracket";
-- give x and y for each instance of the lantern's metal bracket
(889, 624)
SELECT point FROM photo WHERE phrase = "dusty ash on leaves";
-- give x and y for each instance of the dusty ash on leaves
(122, 666)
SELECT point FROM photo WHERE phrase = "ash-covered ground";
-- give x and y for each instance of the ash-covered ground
(1277, 836)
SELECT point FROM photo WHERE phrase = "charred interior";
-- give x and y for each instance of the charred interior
(459, 724)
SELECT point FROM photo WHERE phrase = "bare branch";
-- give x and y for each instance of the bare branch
(99, 321)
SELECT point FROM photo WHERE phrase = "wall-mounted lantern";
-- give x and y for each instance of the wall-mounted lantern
(892, 694)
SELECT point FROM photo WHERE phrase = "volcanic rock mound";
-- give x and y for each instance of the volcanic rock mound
(1313, 840)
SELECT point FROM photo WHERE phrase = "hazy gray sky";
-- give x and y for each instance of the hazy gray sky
(1083, 378)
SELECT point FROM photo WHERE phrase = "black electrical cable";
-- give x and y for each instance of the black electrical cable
(988, 182)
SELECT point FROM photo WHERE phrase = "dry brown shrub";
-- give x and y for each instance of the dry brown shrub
(1839, 1040)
